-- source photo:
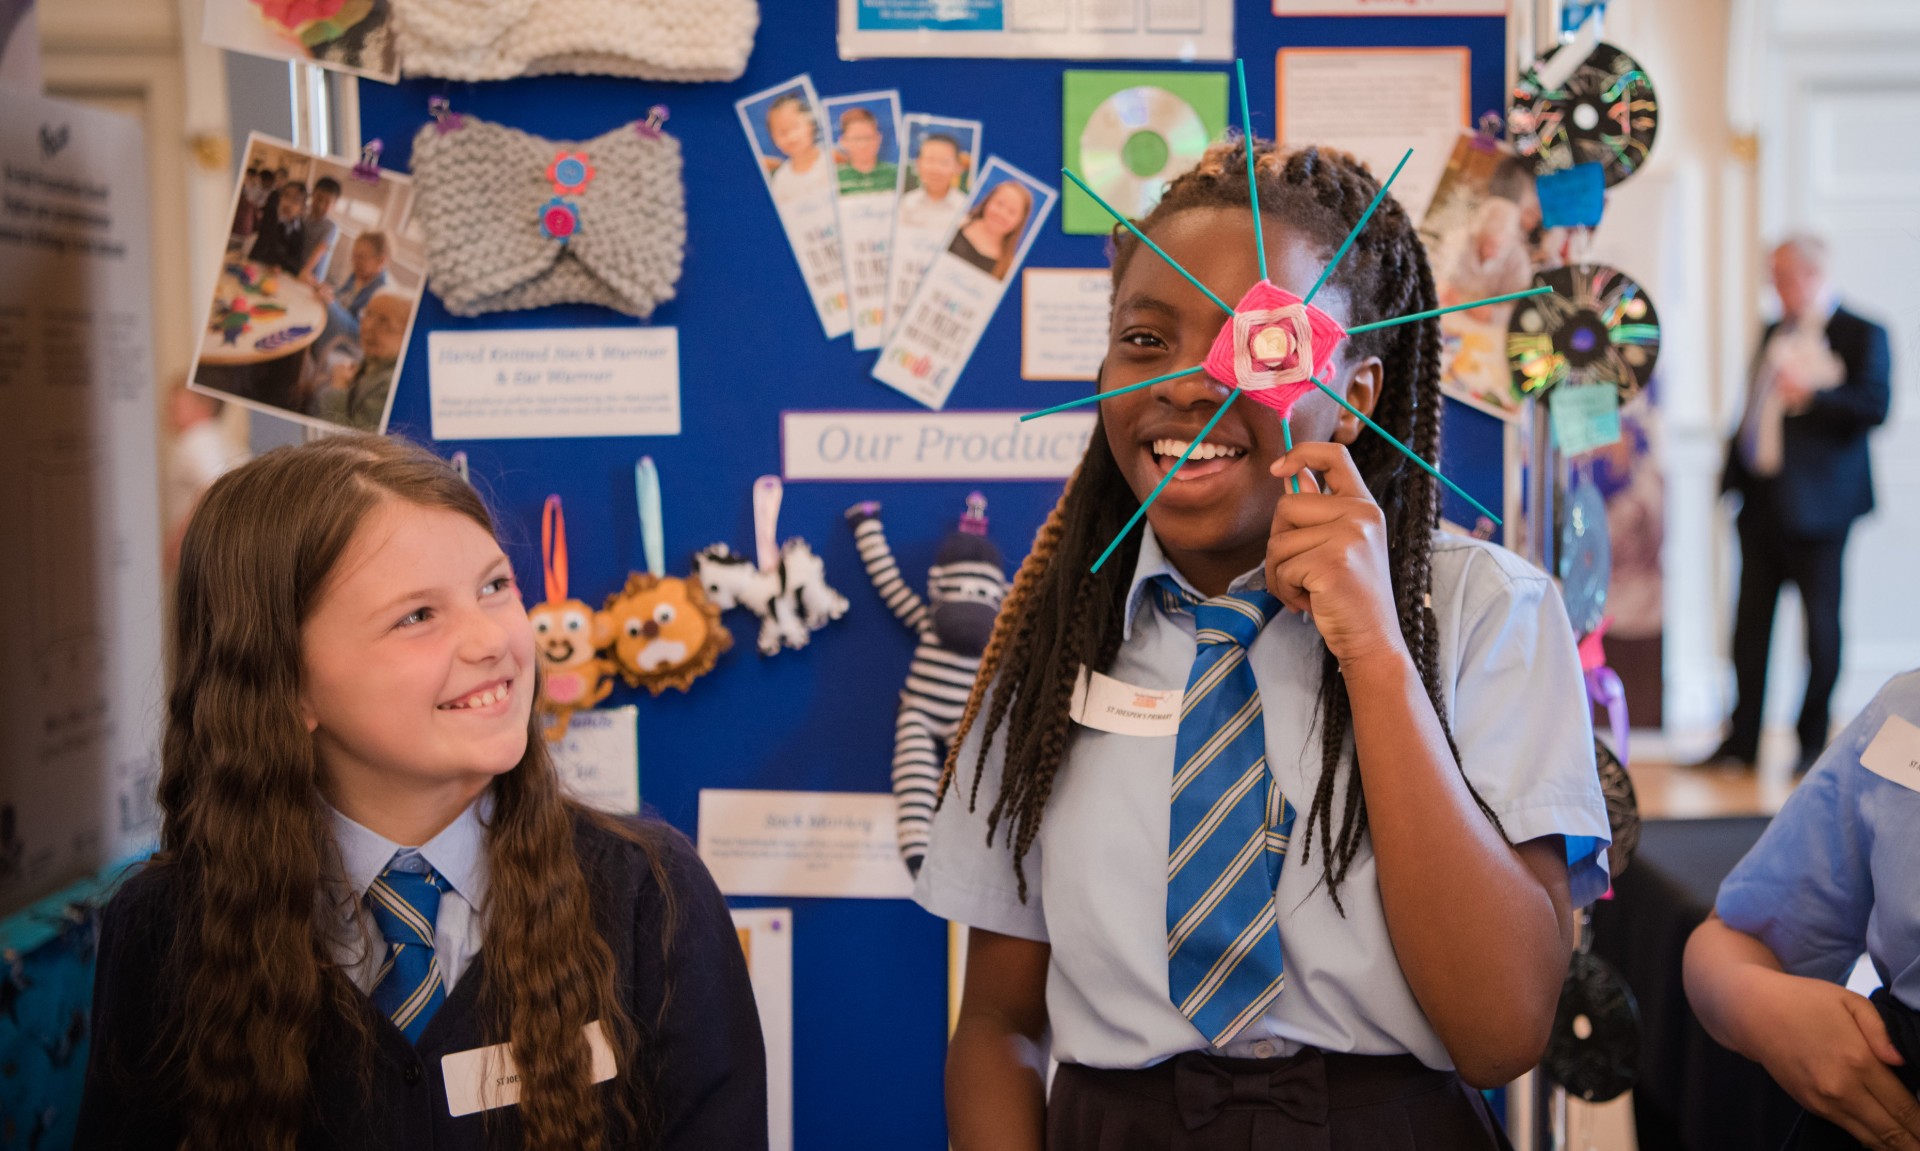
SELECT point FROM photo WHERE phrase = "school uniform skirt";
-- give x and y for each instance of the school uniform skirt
(1312, 1101)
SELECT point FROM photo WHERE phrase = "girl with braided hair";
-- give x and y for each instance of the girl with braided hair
(1117, 824)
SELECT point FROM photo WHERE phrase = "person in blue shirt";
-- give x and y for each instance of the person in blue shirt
(1118, 824)
(1835, 875)
(375, 920)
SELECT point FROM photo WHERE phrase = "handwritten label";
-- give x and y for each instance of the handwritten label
(598, 760)
(554, 382)
(932, 446)
(803, 843)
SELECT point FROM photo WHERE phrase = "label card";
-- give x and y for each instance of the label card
(766, 935)
(803, 843)
(789, 141)
(931, 445)
(554, 382)
(599, 759)
(1063, 322)
(943, 323)
(943, 161)
(1585, 416)
(1105, 704)
(866, 162)
(487, 1077)
(1894, 753)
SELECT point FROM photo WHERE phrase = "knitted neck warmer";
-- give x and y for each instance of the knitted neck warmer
(650, 39)
(514, 221)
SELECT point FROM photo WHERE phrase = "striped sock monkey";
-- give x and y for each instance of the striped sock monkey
(964, 590)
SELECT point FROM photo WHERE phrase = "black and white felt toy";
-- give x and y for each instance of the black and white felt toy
(965, 587)
(787, 588)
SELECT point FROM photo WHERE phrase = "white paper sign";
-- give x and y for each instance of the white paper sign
(80, 709)
(932, 445)
(488, 1077)
(803, 843)
(1895, 753)
(789, 144)
(1160, 30)
(1377, 103)
(1389, 7)
(943, 165)
(941, 326)
(766, 935)
(549, 383)
(866, 160)
(599, 759)
(1063, 322)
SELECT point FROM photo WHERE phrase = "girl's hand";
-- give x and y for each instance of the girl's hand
(1327, 555)
(1828, 1048)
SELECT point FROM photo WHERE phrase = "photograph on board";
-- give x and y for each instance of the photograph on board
(941, 158)
(354, 36)
(994, 229)
(866, 141)
(1483, 233)
(319, 284)
(784, 127)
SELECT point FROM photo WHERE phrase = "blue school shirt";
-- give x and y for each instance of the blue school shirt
(1097, 870)
(1837, 872)
(458, 853)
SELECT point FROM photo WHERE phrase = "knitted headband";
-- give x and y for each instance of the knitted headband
(649, 39)
(514, 221)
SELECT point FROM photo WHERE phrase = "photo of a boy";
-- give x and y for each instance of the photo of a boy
(936, 194)
(859, 164)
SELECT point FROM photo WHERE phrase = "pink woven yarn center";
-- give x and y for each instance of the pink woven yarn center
(1273, 347)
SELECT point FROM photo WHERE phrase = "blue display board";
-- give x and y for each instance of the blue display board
(870, 977)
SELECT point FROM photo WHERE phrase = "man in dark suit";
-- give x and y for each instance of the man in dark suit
(1800, 465)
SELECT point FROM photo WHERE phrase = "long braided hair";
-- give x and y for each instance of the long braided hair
(1058, 617)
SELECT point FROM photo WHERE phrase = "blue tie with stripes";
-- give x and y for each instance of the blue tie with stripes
(1228, 836)
(405, 902)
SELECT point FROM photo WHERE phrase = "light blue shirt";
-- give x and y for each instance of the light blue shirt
(1837, 872)
(458, 853)
(1097, 869)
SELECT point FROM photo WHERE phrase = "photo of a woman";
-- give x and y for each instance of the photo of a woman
(990, 238)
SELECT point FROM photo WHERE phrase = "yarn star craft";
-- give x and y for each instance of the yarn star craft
(1274, 346)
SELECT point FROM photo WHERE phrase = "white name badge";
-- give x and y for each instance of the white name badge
(1105, 704)
(1895, 753)
(487, 1077)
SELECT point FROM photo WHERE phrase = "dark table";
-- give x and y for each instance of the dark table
(1693, 1094)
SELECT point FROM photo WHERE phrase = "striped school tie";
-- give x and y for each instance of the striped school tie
(405, 903)
(1229, 829)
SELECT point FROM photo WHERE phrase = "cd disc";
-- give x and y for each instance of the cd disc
(1604, 114)
(1136, 142)
(1586, 557)
(1598, 327)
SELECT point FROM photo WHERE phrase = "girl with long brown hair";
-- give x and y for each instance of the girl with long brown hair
(374, 920)
(1118, 825)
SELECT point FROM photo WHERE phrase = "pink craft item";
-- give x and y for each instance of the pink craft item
(1273, 347)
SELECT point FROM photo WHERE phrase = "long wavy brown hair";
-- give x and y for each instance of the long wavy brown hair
(247, 844)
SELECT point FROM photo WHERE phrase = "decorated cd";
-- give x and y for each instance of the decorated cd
(1136, 142)
(1605, 113)
(1597, 327)
(1586, 556)
(1594, 1048)
(1623, 807)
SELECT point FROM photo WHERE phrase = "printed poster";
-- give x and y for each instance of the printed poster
(943, 161)
(866, 163)
(1159, 30)
(943, 323)
(788, 137)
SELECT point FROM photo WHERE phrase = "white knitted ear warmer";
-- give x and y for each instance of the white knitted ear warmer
(649, 39)
(514, 221)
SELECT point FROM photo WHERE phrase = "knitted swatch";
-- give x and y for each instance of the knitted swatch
(649, 39)
(514, 221)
